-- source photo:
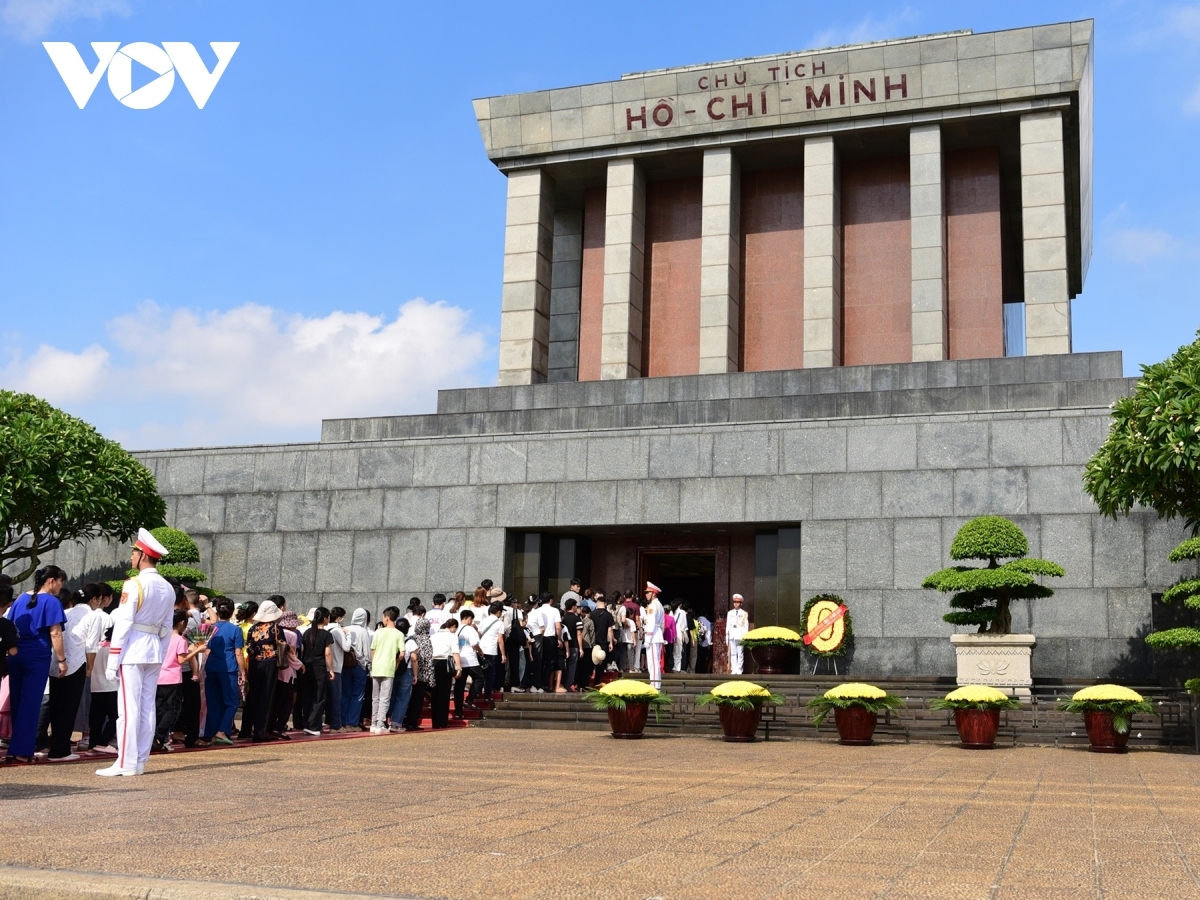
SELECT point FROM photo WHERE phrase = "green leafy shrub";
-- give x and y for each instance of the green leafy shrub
(983, 595)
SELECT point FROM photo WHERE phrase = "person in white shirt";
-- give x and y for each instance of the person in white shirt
(491, 642)
(447, 667)
(438, 615)
(737, 623)
(572, 594)
(91, 630)
(341, 643)
(354, 681)
(469, 654)
(652, 626)
(551, 642)
(535, 624)
(682, 637)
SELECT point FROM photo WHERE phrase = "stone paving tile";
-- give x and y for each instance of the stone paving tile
(488, 815)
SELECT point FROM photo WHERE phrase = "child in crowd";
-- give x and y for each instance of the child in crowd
(168, 700)
(102, 715)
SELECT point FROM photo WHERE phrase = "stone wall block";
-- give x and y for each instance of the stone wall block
(1027, 442)
(200, 514)
(1067, 540)
(918, 494)
(873, 448)
(1058, 489)
(356, 510)
(369, 571)
(869, 558)
(335, 556)
(502, 462)
(779, 498)
(814, 450)
(990, 492)
(406, 560)
(385, 467)
(916, 614)
(917, 552)
(279, 471)
(446, 565)
(441, 464)
(525, 505)
(1083, 436)
(410, 507)
(183, 474)
(617, 458)
(464, 507)
(952, 445)
(745, 452)
(823, 556)
(330, 469)
(264, 554)
(226, 472)
(649, 502)
(229, 562)
(585, 502)
(249, 512)
(687, 455)
(298, 563)
(712, 500)
(1119, 559)
(857, 495)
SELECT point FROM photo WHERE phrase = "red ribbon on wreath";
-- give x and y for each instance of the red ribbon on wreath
(825, 623)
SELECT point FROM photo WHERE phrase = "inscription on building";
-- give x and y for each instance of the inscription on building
(774, 87)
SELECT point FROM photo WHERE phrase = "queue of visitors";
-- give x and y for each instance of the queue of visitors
(322, 672)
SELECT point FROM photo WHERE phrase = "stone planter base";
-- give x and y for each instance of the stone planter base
(977, 728)
(855, 726)
(740, 725)
(771, 660)
(1104, 738)
(998, 660)
(629, 723)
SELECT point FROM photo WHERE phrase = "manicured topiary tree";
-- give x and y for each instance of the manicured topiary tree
(1186, 592)
(1152, 455)
(983, 594)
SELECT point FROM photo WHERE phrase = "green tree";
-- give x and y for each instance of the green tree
(60, 481)
(1186, 592)
(983, 594)
(1152, 455)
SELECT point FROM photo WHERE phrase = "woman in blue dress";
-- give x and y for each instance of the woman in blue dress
(39, 618)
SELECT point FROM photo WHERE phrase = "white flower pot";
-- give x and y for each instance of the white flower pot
(999, 660)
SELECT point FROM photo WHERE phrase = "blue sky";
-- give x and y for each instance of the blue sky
(325, 237)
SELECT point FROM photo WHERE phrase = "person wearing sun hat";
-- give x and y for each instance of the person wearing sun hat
(652, 626)
(262, 671)
(141, 632)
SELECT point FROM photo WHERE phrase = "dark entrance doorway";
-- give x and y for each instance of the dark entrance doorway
(687, 575)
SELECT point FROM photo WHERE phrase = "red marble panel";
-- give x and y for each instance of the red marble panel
(671, 311)
(591, 293)
(877, 262)
(772, 333)
(973, 245)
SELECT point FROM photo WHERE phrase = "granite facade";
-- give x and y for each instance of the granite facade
(369, 521)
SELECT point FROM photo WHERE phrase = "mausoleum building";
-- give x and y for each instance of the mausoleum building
(775, 326)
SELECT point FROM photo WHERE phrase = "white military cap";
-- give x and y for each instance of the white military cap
(149, 544)
(651, 586)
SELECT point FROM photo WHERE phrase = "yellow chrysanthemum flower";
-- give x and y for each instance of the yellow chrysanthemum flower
(856, 690)
(740, 689)
(1099, 693)
(627, 687)
(770, 633)
(977, 693)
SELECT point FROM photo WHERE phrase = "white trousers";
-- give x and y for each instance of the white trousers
(136, 690)
(636, 662)
(735, 657)
(654, 663)
(678, 656)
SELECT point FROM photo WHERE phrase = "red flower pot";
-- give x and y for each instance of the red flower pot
(740, 724)
(629, 722)
(977, 727)
(855, 725)
(1104, 738)
(771, 659)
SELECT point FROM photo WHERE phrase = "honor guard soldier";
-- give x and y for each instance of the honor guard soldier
(652, 623)
(737, 623)
(141, 631)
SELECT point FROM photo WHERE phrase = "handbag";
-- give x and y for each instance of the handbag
(282, 649)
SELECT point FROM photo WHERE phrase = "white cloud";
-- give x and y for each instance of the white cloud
(1140, 245)
(868, 28)
(31, 19)
(256, 374)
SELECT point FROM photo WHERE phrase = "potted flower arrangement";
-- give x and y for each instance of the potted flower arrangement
(628, 704)
(770, 647)
(1107, 712)
(976, 713)
(856, 708)
(739, 704)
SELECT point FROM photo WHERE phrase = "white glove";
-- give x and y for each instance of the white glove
(110, 670)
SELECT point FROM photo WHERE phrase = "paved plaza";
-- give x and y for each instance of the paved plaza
(499, 814)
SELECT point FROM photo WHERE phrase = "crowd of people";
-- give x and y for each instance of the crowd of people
(324, 672)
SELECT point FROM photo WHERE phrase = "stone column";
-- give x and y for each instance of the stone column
(624, 264)
(565, 280)
(930, 309)
(1044, 226)
(525, 300)
(822, 254)
(720, 262)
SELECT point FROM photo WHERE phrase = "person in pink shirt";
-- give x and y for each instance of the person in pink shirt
(168, 700)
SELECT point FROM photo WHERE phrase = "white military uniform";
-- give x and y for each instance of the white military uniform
(737, 623)
(141, 631)
(652, 628)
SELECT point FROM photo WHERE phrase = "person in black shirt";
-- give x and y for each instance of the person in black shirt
(316, 649)
(603, 621)
(572, 628)
(8, 631)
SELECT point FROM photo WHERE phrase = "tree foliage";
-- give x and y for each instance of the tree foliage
(1152, 454)
(60, 481)
(1187, 592)
(983, 594)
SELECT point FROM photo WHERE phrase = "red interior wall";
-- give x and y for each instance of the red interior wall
(772, 333)
(591, 292)
(877, 260)
(976, 285)
(671, 302)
